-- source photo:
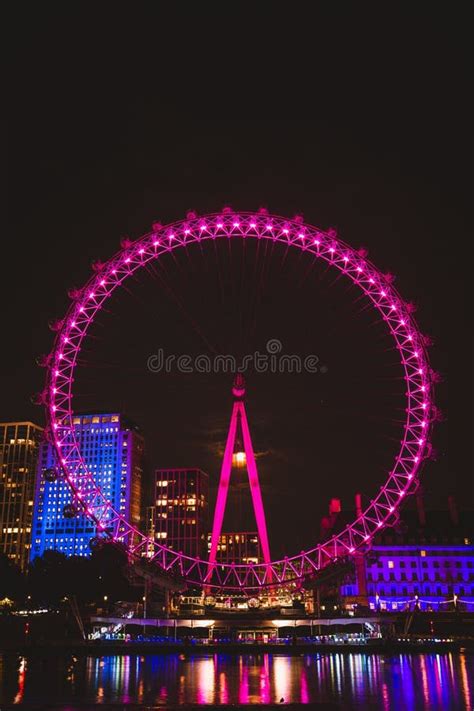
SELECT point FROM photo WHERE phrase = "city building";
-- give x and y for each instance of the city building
(113, 449)
(426, 560)
(237, 547)
(19, 445)
(178, 517)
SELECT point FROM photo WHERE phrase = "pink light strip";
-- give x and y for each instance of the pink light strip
(223, 486)
(254, 485)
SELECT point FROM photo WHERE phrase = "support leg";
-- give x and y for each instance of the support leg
(223, 488)
(255, 486)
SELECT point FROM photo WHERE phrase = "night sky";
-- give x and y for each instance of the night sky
(358, 121)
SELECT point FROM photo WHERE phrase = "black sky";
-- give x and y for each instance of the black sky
(360, 120)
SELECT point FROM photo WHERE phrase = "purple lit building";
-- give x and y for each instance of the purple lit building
(427, 559)
(113, 449)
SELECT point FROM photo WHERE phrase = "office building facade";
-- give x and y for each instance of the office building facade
(19, 448)
(179, 516)
(238, 547)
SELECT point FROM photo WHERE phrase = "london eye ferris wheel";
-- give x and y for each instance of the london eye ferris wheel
(324, 246)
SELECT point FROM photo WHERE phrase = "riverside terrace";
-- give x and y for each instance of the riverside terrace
(238, 629)
(413, 627)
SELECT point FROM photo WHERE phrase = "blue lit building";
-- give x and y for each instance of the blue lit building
(113, 449)
(426, 560)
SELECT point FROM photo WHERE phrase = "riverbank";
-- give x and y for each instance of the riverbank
(117, 647)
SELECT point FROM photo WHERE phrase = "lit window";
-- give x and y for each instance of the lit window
(423, 554)
(467, 542)
(390, 563)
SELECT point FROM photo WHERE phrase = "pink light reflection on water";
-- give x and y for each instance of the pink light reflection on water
(206, 680)
(304, 687)
(385, 697)
(465, 682)
(125, 678)
(265, 681)
(223, 689)
(243, 683)
(282, 678)
(424, 682)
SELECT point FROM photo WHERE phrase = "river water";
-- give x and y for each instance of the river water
(400, 682)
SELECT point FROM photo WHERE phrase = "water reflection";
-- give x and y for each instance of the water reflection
(21, 681)
(362, 681)
(204, 671)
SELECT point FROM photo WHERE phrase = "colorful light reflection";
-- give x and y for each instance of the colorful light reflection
(413, 682)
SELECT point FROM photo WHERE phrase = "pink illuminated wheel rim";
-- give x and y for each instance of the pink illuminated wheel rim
(87, 302)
